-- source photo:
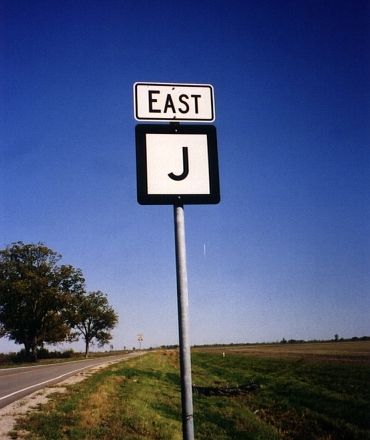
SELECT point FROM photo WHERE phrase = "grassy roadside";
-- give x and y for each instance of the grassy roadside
(131, 400)
(140, 399)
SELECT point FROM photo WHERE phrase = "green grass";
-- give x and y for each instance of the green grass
(136, 399)
(301, 399)
(140, 399)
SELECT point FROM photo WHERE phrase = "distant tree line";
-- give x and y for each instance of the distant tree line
(44, 302)
(335, 339)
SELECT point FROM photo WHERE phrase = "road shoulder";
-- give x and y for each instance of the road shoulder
(10, 413)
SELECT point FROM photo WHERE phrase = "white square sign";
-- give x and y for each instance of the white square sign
(177, 164)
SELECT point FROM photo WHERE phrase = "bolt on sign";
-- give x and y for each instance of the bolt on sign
(174, 102)
(177, 164)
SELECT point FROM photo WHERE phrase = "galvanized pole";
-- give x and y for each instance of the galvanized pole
(183, 306)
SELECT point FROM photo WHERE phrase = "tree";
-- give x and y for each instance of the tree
(92, 317)
(35, 293)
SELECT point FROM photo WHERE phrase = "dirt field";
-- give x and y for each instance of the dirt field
(353, 351)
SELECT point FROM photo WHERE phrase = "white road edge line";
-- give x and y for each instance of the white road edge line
(45, 382)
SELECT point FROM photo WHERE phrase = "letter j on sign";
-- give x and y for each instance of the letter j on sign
(177, 164)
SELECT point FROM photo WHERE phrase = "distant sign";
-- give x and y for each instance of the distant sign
(177, 164)
(174, 102)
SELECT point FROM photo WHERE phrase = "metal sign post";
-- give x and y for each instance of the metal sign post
(177, 165)
(183, 321)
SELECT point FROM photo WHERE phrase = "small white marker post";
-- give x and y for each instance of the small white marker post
(183, 320)
(140, 339)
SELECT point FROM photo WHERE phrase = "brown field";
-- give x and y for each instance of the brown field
(342, 351)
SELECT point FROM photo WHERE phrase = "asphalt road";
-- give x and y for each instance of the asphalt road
(16, 383)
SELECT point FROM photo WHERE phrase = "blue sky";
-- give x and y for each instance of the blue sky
(287, 251)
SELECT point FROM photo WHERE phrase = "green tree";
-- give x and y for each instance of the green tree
(35, 293)
(93, 318)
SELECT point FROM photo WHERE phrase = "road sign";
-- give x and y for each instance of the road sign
(174, 102)
(177, 164)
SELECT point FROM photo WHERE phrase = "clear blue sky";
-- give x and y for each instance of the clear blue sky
(287, 251)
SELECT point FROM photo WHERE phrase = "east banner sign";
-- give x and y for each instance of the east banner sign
(174, 102)
(177, 164)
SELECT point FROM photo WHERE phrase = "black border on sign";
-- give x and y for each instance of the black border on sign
(174, 119)
(141, 130)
